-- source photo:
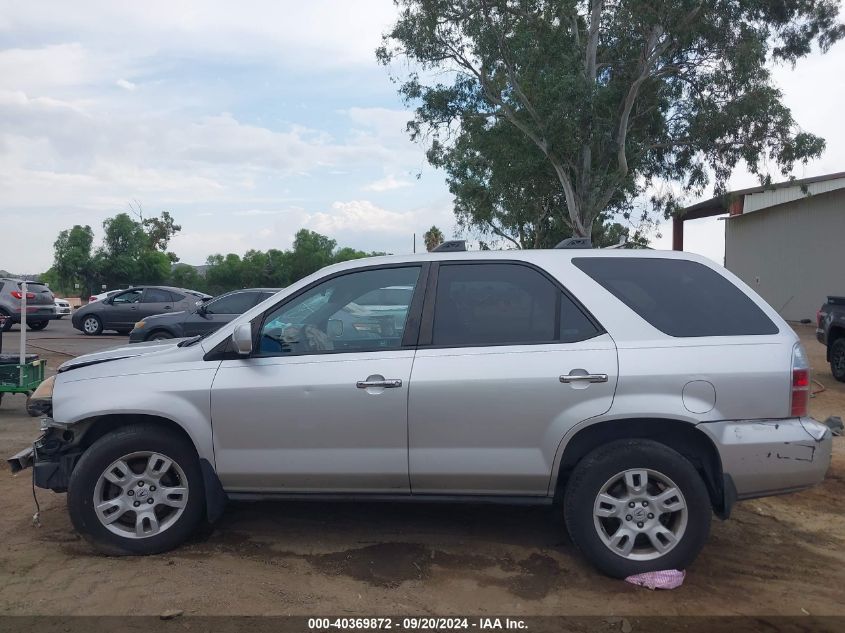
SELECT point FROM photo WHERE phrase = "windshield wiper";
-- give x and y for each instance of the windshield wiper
(190, 341)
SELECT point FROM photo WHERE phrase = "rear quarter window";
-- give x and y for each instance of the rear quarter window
(679, 297)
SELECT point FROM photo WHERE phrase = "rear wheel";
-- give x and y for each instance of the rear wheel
(91, 325)
(136, 491)
(837, 359)
(37, 325)
(634, 506)
(7, 322)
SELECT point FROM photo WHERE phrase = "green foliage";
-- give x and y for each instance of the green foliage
(185, 276)
(160, 231)
(605, 98)
(274, 268)
(72, 260)
(132, 253)
(433, 238)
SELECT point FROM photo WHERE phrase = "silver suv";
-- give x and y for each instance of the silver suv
(638, 392)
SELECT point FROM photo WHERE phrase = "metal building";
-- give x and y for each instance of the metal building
(786, 240)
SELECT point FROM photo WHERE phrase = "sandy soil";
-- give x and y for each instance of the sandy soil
(775, 556)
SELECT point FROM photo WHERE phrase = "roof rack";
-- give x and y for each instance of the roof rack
(575, 242)
(451, 246)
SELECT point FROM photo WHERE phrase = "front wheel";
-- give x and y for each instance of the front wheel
(161, 335)
(837, 359)
(7, 322)
(137, 490)
(91, 326)
(635, 506)
(37, 325)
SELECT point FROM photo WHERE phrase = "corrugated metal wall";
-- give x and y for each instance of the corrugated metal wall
(782, 195)
(793, 255)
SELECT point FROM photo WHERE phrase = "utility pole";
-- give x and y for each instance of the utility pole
(415, 243)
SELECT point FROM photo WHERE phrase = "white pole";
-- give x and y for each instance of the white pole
(23, 329)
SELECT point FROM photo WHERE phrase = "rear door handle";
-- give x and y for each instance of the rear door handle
(570, 378)
(390, 383)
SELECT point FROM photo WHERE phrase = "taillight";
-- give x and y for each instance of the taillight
(17, 294)
(800, 382)
(92, 298)
(819, 316)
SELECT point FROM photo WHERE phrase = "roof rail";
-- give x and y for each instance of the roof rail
(451, 246)
(575, 242)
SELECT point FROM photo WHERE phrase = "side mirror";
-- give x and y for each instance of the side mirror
(242, 339)
(201, 307)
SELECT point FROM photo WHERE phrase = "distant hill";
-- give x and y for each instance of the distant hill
(6, 273)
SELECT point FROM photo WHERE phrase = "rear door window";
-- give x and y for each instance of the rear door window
(501, 304)
(235, 303)
(131, 296)
(157, 295)
(679, 297)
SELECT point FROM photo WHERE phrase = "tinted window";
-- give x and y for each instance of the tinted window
(574, 324)
(679, 297)
(493, 304)
(329, 318)
(177, 296)
(235, 303)
(157, 295)
(386, 297)
(133, 296)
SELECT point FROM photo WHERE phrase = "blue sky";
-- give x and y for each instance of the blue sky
(247, 121)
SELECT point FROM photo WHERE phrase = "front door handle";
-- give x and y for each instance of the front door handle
(570, 378)
(390, 383)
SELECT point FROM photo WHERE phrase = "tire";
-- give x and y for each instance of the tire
(837, 359)
(160, 335)
(590, 523)
(59, 317)
(37, 325)
(133, 445)
(7, 324)
(91, 325)
(124, 332)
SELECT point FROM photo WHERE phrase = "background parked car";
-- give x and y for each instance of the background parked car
(206, 317)
(62, 308)
(122, 310)
(102, 295)
(40, 309)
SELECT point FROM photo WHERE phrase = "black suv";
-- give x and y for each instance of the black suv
(207, 317)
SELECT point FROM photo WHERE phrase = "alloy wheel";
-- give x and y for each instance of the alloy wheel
(142, 494)
(91, 325)
(640, 514)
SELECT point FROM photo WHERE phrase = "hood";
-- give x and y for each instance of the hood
(148, 348)
(167, 317)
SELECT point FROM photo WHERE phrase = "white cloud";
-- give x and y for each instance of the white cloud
(360, 216)
(126, 85)
(389, 183)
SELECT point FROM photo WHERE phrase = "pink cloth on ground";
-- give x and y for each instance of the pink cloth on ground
(666, 579)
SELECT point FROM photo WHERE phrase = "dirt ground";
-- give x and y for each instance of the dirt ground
(778, 556)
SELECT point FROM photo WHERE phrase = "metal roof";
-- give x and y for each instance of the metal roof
(724, 203)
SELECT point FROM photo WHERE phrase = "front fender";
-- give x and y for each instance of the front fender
(181, 396)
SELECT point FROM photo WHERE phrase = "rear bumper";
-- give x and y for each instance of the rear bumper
(770, 457)
(33, 316)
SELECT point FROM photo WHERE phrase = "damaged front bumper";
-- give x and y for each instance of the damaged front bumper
(52, 457)
(770, 457)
